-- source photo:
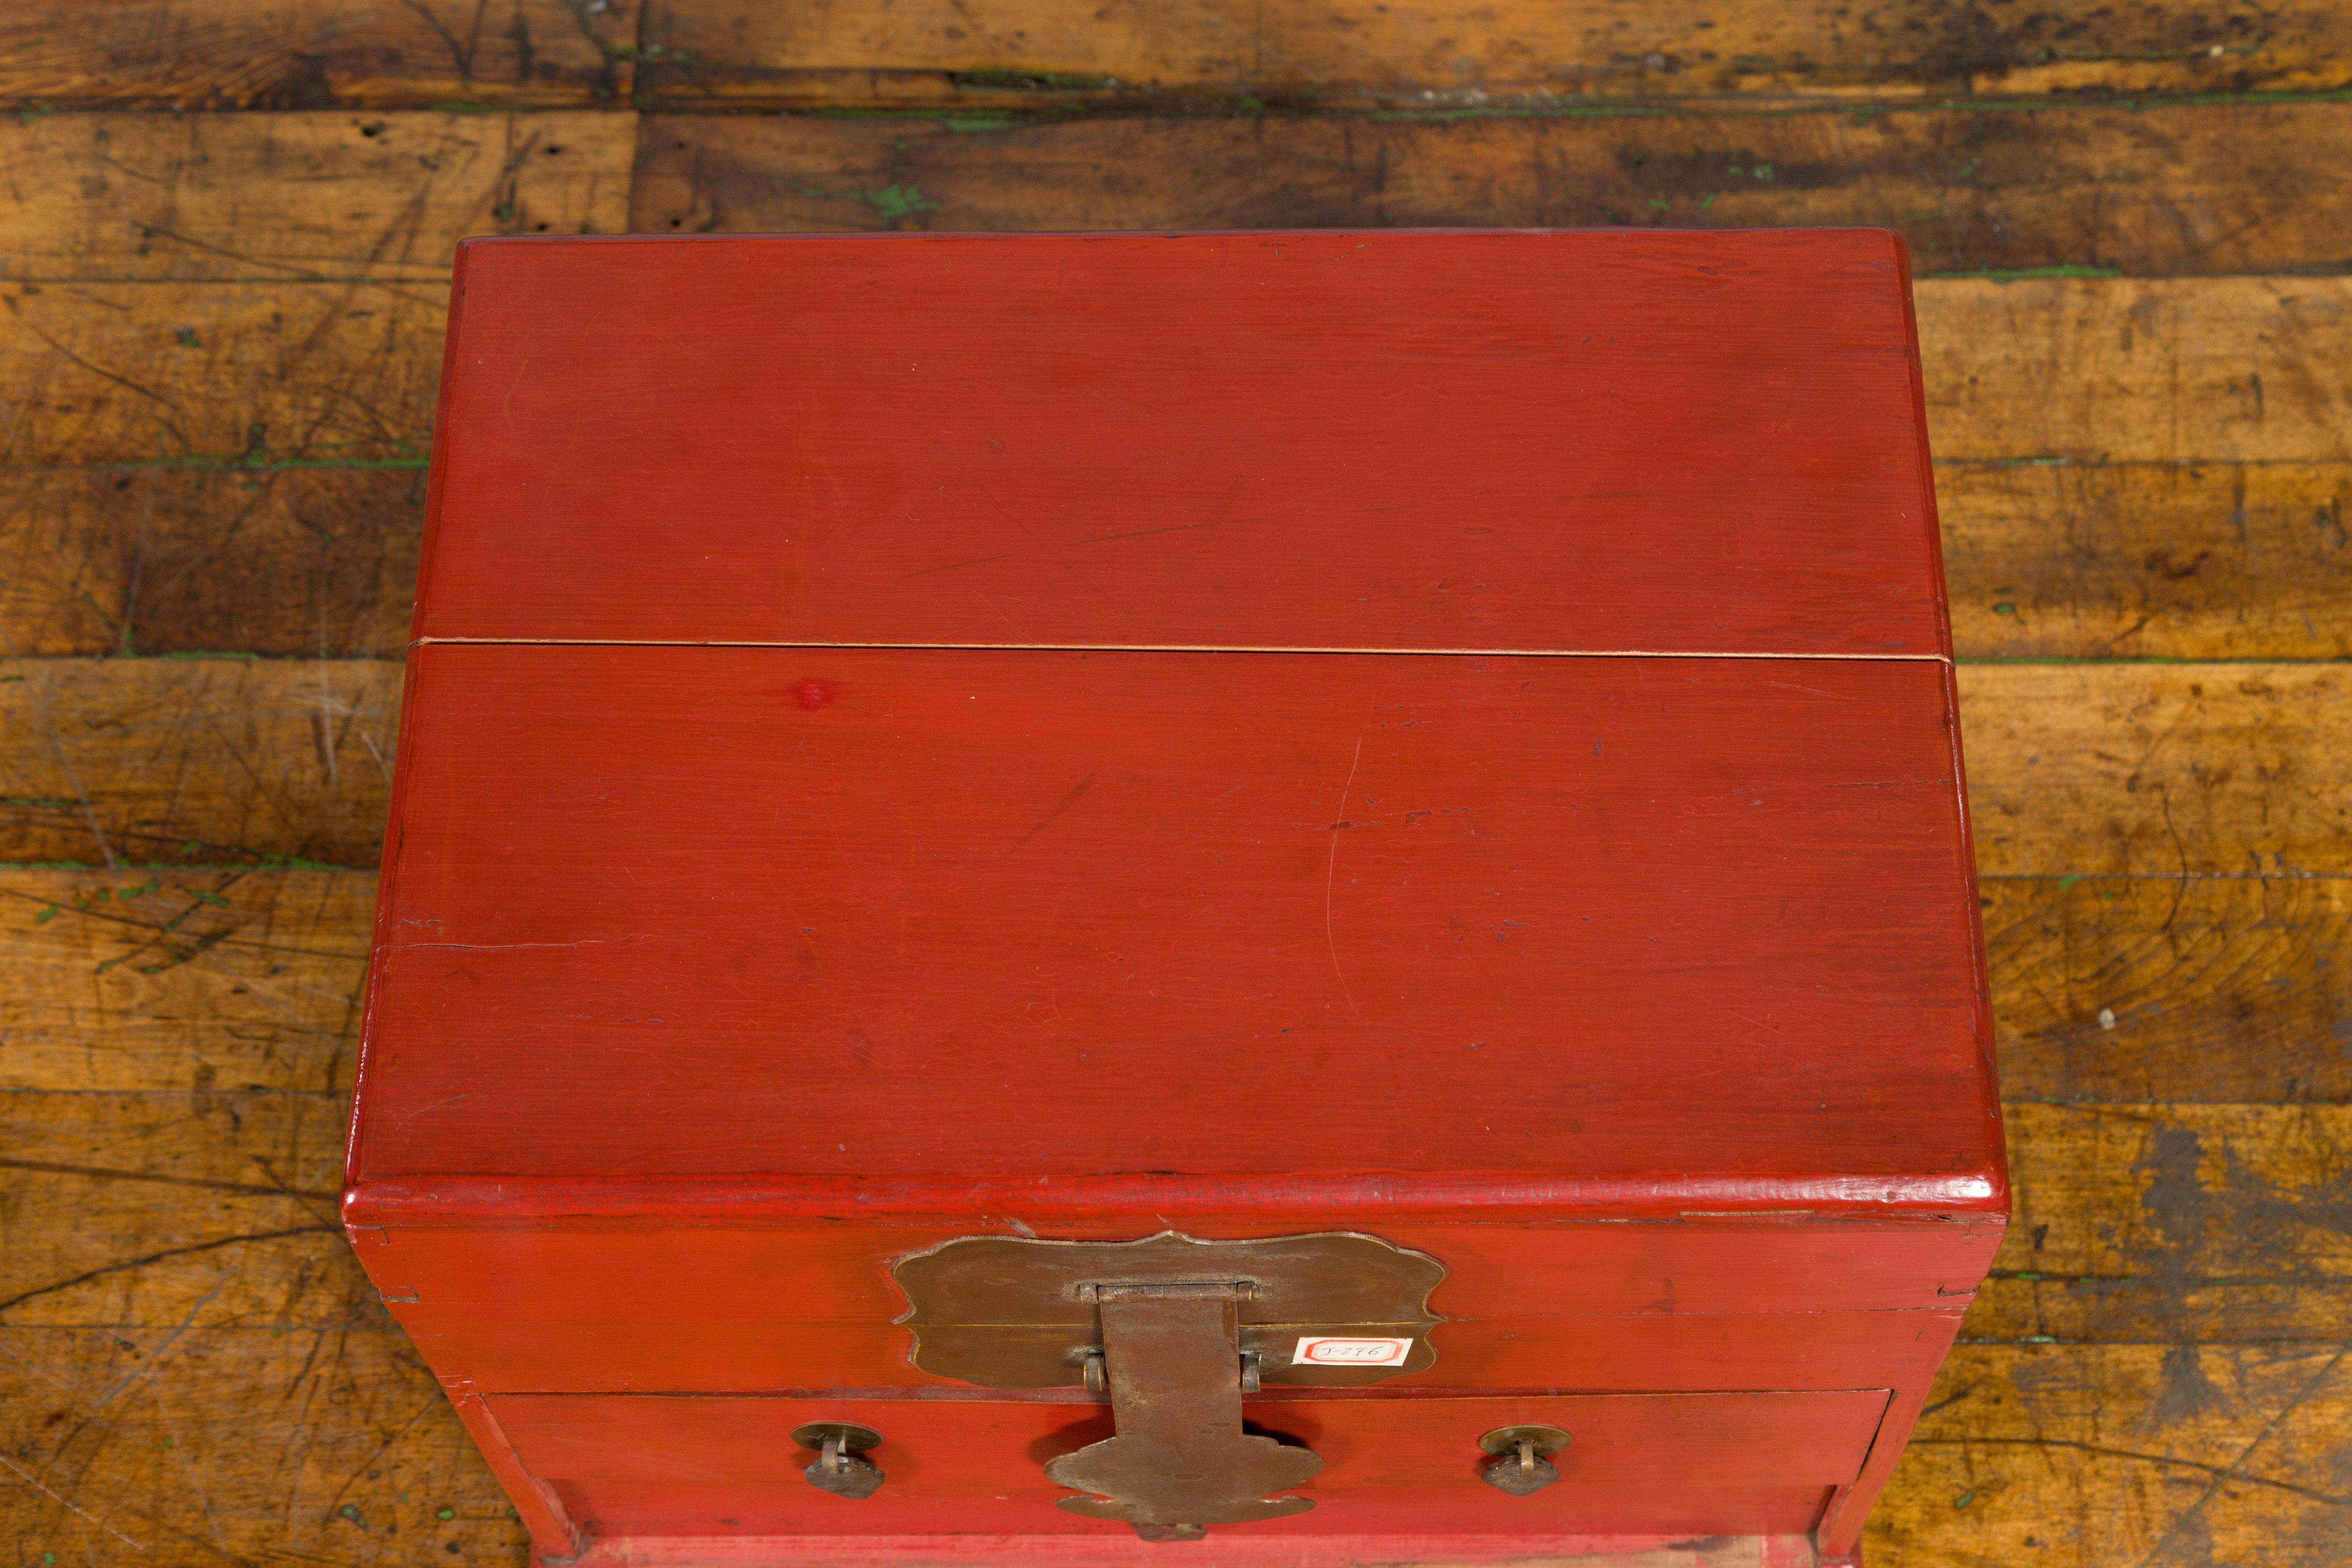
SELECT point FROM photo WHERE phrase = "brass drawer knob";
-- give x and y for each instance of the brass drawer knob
(1522, 1462)
(841, 1465)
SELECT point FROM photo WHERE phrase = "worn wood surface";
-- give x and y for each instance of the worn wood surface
(301, 53)
(275, 197)
(2157, 190)
(1457, 52)
(2147, 466)
(198, 760)
(2162, 559)
(146, 559)
(329, 54)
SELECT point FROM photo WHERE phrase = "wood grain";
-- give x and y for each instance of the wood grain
(1456, 52)
(209, 982)
(160, 1207)
(153, 559)
(238, 1438)
(2163, 559)
(220, 375)
(2164, 1222)
(2210, 988)
(2253, 370)
(195, 761)
(314, 54)
(113, 198)
(2184, 1456)
(2152, 191)
(2158, 770)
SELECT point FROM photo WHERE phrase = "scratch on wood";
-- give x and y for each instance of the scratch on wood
(130, 1263)
(1172, 528)
(1046, 821)
(1331, 871)
(34, 1481)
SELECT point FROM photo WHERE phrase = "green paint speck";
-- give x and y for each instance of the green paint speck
(186, 338)
(46, 916)
(1764, 171)
(1707, 200)
(445, 1513)
(1662, 207)
(2004, 608)
(1964, 1500)
(2067, 882)
(896, 201)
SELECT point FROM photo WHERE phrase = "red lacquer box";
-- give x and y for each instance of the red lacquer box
(1265, 900)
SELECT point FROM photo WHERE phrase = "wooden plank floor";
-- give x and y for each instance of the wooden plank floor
(225, 231)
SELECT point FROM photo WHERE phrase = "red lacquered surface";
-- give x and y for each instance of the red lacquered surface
(1442, 735)
(672, 911)
(1578, 440)
(655, 1465)
(1688, 1306)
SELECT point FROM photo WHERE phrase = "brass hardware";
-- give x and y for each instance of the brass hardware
(1010, 1313)
(1175, 1330)
(1180, 1461)
(1523, 1458)
(841, 1468)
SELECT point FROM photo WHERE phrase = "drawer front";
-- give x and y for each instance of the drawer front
(1733, 1463)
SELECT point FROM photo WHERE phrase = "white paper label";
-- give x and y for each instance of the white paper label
(1334, 1352)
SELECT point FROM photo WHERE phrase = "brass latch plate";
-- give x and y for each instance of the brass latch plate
(1176, 1330)
(1009, 1312)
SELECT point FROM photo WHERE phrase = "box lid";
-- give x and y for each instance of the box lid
(1451, 720)
(1541, 441)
